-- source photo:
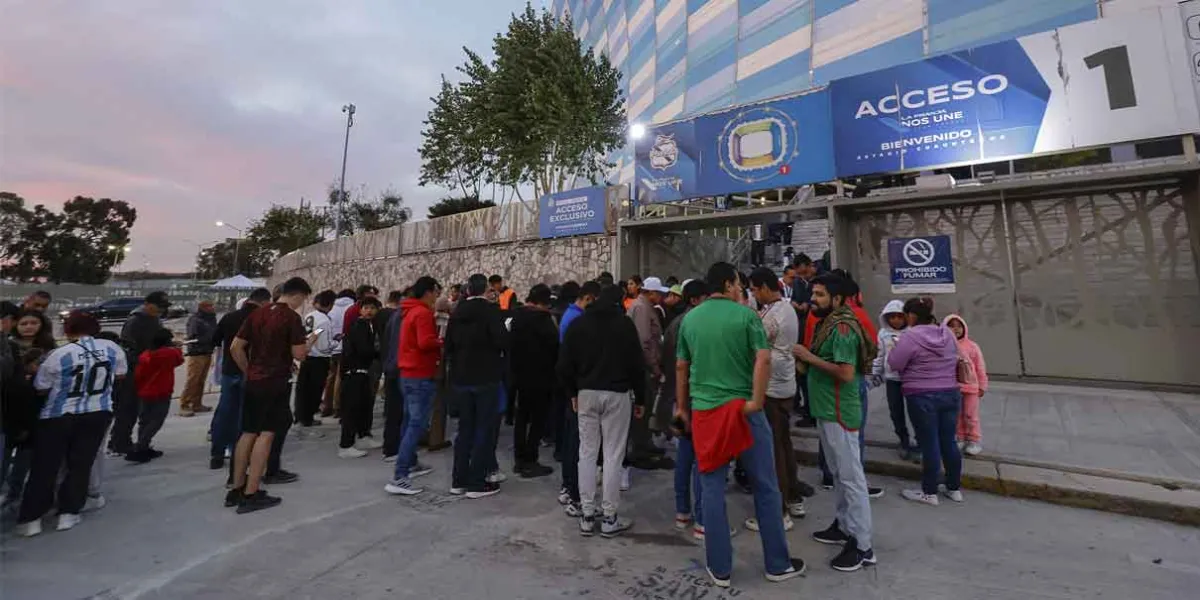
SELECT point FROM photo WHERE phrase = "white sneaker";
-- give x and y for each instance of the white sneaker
(457, 491)
(228, 454)
(626, 479)
(96, 502)
(351, 452)
(961, 445)
(564, 497)
(955, 495)
(389, 459)
(751, 524)
(67, 521)
(920, 496)
(497, 477)
(402, 487)
(369, 443)
(30, 529)
(797, 510)
(973, 449)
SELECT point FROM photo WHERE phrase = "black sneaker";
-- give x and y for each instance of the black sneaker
(851, 558)
(232, 497)
(826, 484)
(832, 535)
(796, 569)
(216, 463)
(152, 453)
(488, 489)
(805, 490)
(140, 457)
(533, 470)
(280, 477)
(259, 501)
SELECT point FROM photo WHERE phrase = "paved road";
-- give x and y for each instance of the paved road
(337, 535)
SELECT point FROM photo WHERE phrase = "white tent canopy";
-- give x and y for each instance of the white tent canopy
(237, 282)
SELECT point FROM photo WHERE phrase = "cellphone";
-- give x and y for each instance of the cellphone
(191, 341)
(317, 331)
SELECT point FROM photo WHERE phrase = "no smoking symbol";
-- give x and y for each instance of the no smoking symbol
(918, 252)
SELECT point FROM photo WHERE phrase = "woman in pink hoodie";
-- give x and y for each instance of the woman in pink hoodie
(972, 382)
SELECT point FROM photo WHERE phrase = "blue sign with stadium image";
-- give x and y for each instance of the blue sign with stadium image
(921, 265)
(575, 212)
(780, 144)
(977, 104)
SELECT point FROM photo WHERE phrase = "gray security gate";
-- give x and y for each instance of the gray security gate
(1089, 285)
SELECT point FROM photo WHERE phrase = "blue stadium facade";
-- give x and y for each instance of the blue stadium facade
(687, 57)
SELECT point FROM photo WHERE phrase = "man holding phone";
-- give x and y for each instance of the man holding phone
(723, 366)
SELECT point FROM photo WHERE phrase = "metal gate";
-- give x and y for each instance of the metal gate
(1089, 285)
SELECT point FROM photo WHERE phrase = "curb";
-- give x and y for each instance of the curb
(1163, 502)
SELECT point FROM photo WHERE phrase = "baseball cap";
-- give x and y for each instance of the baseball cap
(677, 290)
(158, 299)
(654, 284)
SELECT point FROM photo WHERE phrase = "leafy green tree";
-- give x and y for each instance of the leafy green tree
(283, 229)
(218, 261)
(76, 248)
(18, 258)
(541, 114)
(452, 206)
(360, 214)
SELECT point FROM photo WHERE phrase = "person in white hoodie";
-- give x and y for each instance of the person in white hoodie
(891, 325)
(310, 381)
(333, 388)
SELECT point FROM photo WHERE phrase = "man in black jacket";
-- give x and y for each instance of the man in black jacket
(201, 327)
(534, 345)
(599, 365)
(136, 336)
(475, 343)
(359, 351)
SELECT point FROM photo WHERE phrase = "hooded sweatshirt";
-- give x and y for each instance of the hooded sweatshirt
(476, 340)
(926, 357)
(420, 347)
(886, 340)
(155, 374)
(602, 351)
(338, 317)
(534, 348)
(972, 371)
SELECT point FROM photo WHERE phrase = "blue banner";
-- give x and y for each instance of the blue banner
(979, 104)
(577, 212)
(921, 265)
(780, 144)
(784, 143)
(667, 160)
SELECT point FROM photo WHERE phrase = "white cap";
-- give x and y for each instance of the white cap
(654, 284)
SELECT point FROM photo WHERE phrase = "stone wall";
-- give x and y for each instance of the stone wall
(523, 264)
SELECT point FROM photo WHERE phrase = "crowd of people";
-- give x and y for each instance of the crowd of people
(611, 375)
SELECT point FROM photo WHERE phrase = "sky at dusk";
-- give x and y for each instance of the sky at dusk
(199, 110)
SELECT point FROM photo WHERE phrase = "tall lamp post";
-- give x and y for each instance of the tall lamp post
(337, 210)
(237, 244)
(118, 253)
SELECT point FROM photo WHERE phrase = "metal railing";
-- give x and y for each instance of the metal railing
(512, 222)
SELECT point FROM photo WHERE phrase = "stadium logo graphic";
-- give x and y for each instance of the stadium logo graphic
(758, 144)
(664, 153)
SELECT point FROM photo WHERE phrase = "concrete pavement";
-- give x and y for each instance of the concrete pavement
(337, 535)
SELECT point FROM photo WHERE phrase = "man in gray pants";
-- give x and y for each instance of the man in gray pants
(600, 365)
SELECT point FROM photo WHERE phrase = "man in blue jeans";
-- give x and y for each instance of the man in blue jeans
(226, 419)
(419, 354)
(723, 366)
(475, 343)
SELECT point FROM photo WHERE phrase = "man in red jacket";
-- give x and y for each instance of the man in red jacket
(418, 357)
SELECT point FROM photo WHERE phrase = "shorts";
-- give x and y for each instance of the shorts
(265, 406)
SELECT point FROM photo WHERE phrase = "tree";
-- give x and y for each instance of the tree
(360, 214)
(542, 113)
(71, 246)
(283, 229)
(452, 206)
(217, 262)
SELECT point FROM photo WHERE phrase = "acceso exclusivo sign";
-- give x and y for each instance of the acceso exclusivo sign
(921, 265)
(575, 212)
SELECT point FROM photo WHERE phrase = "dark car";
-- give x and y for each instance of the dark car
(118, 309)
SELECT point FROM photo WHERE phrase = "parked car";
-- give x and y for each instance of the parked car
(118, 309)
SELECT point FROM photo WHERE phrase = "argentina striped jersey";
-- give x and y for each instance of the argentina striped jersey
(80, 377)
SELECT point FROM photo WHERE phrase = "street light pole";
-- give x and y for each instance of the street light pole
(337, 210)
(237, 244)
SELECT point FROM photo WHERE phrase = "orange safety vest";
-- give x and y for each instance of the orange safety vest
(506, 298)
